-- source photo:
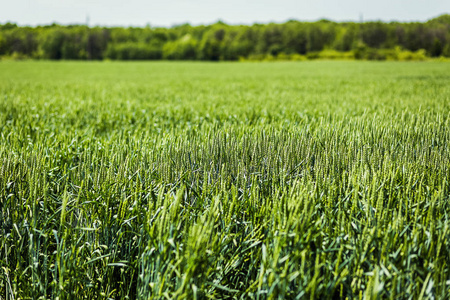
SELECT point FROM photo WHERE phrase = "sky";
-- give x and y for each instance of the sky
(167, 13)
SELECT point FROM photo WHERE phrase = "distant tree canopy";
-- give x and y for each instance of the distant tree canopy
(370, 40)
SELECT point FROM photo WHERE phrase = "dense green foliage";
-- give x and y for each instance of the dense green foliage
(292, 40)
(200, 180)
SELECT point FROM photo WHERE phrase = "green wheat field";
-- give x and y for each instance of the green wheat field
(308, 180)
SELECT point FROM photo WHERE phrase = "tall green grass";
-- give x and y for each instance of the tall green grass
(314, 180)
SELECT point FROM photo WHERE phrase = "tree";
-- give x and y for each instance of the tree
(52, 43)
(374, 34)
(210, 45)
(436, 50)
(182, 49)
(225, 42)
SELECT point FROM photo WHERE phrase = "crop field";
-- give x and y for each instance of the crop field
(183, 180)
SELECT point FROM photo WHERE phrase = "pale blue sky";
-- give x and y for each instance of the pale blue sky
(170, 12)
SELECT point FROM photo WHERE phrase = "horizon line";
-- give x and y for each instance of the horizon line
(219, 20)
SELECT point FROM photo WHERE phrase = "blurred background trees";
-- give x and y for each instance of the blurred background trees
(290, 40)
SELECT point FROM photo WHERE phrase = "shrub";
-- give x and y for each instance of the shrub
(133, 51)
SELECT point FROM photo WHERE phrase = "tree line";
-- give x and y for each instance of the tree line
(220, 41)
